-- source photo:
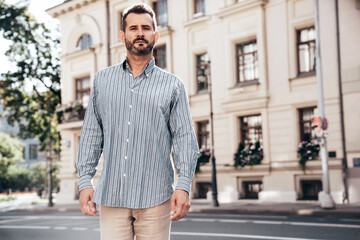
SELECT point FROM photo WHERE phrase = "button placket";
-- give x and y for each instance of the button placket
(131, 88)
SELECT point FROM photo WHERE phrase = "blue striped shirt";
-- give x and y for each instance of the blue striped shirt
(134, 123)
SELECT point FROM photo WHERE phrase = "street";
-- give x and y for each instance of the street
(196, 226)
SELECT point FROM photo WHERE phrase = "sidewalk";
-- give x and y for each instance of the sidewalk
(255, 206)
(202, 206)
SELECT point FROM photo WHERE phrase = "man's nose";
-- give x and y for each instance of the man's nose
(140, 32)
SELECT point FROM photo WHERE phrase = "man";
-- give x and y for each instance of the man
(136, 113)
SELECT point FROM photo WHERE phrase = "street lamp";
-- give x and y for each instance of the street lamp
(48, 156)
(206, 67)
(326, 201)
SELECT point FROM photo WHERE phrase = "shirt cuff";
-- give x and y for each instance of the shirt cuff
(184, 184)
(85, 181)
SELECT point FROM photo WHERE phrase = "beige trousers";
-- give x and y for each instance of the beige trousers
(146, 224)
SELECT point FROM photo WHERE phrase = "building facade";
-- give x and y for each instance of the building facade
(259, 57)
(31, 153)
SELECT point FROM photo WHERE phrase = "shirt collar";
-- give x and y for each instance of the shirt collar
(147, 70)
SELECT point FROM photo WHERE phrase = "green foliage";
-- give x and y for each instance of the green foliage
(248, 155)
(204, 157)
(307, 151)
(36, 56)
(7, 198)
(21, 178)
(10, 153)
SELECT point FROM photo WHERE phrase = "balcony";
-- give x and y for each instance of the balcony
(71, 112)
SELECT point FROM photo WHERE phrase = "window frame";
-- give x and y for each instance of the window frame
(197, 12)
(256, 62)
(200, 134)
(298, 43)
(302, 122)
(156, 57)
(198, 66)
(33, 151)
(242, 128)
(80, 39)
(155, 6)
(81, 92)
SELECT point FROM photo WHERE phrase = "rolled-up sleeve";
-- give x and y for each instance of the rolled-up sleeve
(91, 142)
(185, 146)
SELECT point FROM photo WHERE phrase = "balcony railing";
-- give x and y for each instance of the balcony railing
(71, 112)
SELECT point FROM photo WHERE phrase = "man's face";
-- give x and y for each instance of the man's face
(139, 36)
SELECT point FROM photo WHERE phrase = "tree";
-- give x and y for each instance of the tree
(30, 92)
(10, 152)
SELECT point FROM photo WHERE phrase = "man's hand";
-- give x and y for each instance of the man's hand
(180, 200)
(86, 196)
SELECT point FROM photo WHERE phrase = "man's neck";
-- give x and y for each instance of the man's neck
(138, 63)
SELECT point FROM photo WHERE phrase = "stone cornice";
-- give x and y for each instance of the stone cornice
(68, 6)
(241, 6)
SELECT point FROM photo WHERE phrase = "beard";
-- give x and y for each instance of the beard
(145, 48)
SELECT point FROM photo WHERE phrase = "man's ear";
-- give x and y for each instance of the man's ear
(122, 36)
(157, 34)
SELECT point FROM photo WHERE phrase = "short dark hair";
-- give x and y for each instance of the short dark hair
(139, 8)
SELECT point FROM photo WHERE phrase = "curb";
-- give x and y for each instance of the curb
(355, 212)
(300, 212)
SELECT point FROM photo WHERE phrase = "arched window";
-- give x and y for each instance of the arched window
(84, 42)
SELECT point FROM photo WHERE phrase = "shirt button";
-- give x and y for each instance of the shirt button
(130, 106)
(125, 157)
(124, 174)
(128, 123)
(132, 90)
(127, 140)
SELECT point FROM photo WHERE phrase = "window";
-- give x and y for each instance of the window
(33, 150)
(84, 42)
(202, 189)
(83, 89)
(119, 23)
(160, 56)
(250, 129)
(310, 189)
(247, 62)
(202, 81)
(306, 50)
(203, 135)
(199, 8)
(306, 131)
(160, 9)
(252, 189)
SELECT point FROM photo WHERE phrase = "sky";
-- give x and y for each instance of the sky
(37, 9)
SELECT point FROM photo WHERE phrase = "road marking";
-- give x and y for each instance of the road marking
(237, 215)
(324, 224)
(234, 221)
(308, 224)
(26, 227)
(50, 217)
(13, 220)
(350, 220)
(96, 229)
(79, 228)
(236, 236)
(60, 228)
(202, 220)
(268, 222)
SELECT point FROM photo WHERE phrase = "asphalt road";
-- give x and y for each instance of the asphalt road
(196, 226)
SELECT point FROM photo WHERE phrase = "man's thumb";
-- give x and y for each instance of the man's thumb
(92, 205)
(172, 206)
